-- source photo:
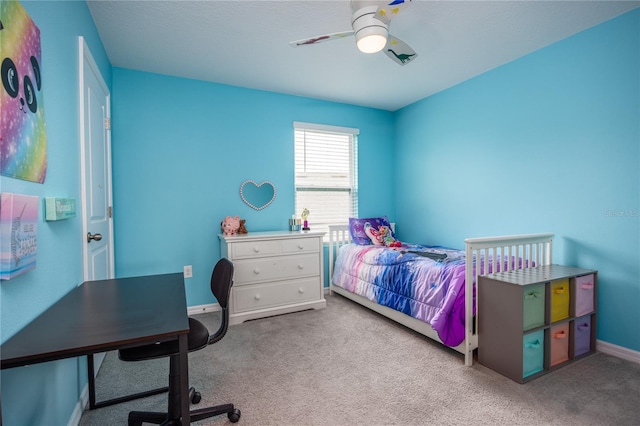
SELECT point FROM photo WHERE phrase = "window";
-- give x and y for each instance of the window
(326, 174)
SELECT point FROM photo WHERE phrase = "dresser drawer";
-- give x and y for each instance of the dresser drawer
(275, 268)
(252, 297)
(252, 249)
(300, 245)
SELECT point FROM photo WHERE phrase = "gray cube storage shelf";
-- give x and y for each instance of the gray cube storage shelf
(532, 321)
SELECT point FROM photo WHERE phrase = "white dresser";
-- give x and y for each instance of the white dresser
(275, 272)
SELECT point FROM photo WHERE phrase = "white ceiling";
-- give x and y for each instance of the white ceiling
(245, 43)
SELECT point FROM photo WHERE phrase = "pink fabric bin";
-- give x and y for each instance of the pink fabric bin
(585, 287)
(582, 335)
(559, 344)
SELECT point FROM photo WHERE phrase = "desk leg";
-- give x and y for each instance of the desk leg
(93, 404)
(92, 382)
(184, 379)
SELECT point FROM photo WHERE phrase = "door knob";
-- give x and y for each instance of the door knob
(96, 237)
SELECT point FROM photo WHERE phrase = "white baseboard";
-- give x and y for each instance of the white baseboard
(618, 351)
(74, 420)
(203, 309)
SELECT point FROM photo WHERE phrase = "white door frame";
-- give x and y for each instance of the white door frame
(86, 59)
(86, 64)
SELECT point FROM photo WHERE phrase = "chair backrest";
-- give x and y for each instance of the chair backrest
(221, 283)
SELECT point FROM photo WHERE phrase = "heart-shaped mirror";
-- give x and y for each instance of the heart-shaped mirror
(257, 195)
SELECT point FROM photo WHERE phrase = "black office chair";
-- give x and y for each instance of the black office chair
(198, 338)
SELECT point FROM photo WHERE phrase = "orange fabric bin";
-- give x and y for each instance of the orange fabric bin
(559, 344)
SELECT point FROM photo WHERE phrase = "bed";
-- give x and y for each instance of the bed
(366, 273)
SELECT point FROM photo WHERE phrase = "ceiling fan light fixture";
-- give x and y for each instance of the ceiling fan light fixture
(371, 33)
(371, 41)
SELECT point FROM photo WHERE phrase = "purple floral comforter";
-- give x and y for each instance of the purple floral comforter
(431, 290)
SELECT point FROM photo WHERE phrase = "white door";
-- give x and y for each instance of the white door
(95, 151)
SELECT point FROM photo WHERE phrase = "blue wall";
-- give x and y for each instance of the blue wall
(181, 149)
(547, 143)
(27, 392)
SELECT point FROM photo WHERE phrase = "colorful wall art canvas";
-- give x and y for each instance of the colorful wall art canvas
(23, 139)
(18, 231)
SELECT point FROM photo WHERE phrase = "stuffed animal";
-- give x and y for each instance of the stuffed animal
(387, 237)
(373, 234)
(242, 229)
(381, 236)
(230, 225)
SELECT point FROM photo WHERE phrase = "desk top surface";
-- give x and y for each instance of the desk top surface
(102, 315)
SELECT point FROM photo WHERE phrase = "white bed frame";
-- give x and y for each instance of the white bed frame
(520, 252)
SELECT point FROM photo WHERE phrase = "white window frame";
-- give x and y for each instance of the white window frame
(319, 222)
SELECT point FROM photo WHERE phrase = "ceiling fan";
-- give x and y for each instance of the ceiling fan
(370, 23)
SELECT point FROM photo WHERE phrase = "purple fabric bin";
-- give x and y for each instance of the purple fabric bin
(582, 333)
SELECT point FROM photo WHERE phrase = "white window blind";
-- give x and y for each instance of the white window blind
(326, 174)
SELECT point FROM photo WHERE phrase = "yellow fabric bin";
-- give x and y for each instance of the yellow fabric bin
(560, 297)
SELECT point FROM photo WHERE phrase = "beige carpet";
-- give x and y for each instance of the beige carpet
(346, 365)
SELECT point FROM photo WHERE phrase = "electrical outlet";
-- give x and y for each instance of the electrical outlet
(188, 271)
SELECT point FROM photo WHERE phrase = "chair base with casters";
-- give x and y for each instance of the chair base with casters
(197, 338)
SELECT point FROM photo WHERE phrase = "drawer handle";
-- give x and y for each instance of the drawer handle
(559, 290)
(257, 296)
(560, 335)
(533, 345)
(583, 327)
(256, 249)
(533, 295)
(300, 246)
(301, 290)
(586, 286)
(301, 267)
(256, 271)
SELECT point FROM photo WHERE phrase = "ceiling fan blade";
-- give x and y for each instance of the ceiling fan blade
(320, 39)
(399, 51)
(392, 9)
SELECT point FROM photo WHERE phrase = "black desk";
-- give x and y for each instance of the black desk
(100, 316)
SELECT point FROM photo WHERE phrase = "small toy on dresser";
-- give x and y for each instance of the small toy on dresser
(305, 217)
(230, 225)
(242, 229)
